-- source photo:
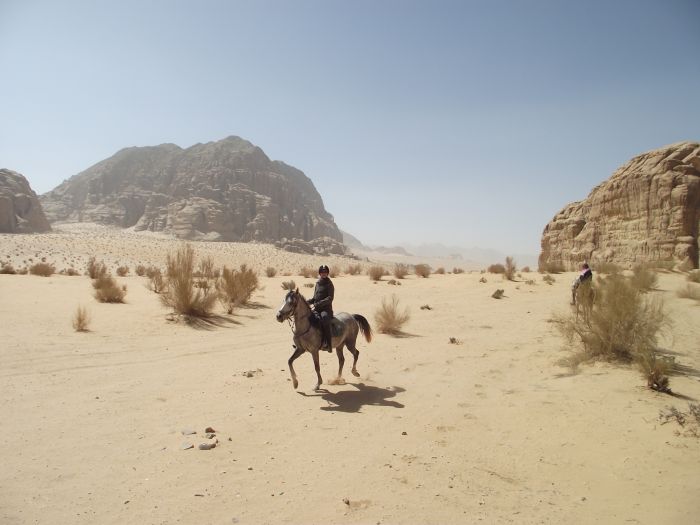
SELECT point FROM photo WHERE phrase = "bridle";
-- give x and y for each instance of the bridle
(291, 317)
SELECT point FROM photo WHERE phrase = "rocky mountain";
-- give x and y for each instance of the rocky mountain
(648, 211)
(20, 209)
(227, 190)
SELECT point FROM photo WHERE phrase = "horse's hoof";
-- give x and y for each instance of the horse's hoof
(355, 373)
(295, 383)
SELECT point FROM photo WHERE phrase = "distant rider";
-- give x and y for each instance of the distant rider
(586, 276)
(322, 302)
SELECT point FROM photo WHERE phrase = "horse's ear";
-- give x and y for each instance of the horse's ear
(297, 290)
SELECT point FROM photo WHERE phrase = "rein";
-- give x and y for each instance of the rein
(293, 325)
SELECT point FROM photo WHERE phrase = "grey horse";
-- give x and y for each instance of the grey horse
(307, 334)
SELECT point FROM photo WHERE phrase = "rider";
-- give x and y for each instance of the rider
(586, 275)
(322, 302)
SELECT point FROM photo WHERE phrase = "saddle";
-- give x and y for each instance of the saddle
(336, 324)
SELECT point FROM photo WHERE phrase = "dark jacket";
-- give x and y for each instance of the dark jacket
(323, 296)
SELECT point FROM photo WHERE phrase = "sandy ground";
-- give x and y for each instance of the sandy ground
(488, 430)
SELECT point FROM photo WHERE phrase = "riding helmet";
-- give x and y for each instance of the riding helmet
(323, 268)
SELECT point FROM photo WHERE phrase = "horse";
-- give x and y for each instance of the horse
(584, 296)
(307, 334)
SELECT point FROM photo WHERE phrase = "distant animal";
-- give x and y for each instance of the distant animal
(584, 295)
(307, 334)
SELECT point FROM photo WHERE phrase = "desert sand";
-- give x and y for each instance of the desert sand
(487, 430)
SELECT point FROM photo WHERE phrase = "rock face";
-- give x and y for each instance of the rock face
(223, 191)
(20, 210)
(648, 211)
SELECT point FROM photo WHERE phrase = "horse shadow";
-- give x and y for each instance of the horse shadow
(352, 401)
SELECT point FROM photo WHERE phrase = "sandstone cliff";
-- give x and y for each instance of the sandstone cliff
(20, 210)
(648, 211)
(227, 190)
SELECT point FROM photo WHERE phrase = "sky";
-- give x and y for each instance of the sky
(468, 123)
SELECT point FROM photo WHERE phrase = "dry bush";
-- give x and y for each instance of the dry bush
(689, 292)
(456, 270)
(400, 270)
(440, 271)
(643, 278)
(525, 269)
(422, 270)
(530, 282)
(333, 273)
(307, 272)
(694, 276)
(388, 317)
(7, 268)
(180, 293)
(156, 283)
(353, 269)
(236, 287)
(607, 268)
(482, 280)
(496, 268)
(548, 279)
(42, 269)
(455, 341)
(96, 269)
(289, 285)
(655, 369)
(71, 272)
(498, 294)
(375, 273)
(107, 290)
(81, 319)
(205, 268)
(551, 267)
(140, 270)
(393, 282)
(270, 271)
(122, 271)
(22, 271)
(509, 269)
(309, 285)
(623, 325)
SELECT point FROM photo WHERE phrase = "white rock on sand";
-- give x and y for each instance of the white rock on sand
(431, 432)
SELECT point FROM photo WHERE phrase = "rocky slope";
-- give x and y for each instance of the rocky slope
(20, 210)
(227, 190)
(648, 211)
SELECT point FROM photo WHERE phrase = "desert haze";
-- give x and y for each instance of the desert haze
(465, 417)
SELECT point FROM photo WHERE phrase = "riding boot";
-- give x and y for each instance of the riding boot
(326, 340)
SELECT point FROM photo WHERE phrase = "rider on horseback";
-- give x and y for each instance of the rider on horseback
(322, 303)
(585, 277)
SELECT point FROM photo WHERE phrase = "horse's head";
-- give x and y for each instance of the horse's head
(289, 306)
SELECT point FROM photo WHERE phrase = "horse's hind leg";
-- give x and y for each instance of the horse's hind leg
(355, 354)
(299, 350)
(341, 361)
(317, 366)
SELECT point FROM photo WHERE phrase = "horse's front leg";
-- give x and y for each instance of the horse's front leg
(341, 362)
(299, 350)
(317, 366)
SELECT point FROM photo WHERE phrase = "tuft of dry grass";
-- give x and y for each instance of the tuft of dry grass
(42, 269)
(206, 268)
(156, 283)
(289, 285)
(440, 271)
(180, 293)
(71, 272)
(548, 279)
(655, 369)
(81, 320)
(107, 290)
(388, 317)
(140, 270)
(498, 294)
(457, 270)
(122, 271)
(509, 269)
(643, 278)
(7, 268)
(333, 273)
(96, 269)
(353, 269)
(422, 270)
(236, 287)
(496, 268)
(375, 273)
(270, 271)
(400, 270)
(308, 272)
(482, 280)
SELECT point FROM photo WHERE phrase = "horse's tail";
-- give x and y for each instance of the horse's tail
(364, 327)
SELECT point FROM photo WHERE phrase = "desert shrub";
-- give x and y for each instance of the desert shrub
(400, 270)
(422, 270)
(623, 324)
(107, 290)
(306, 271)
(509, 269)
(388, 317)
(95, 269)
(309, 285)
(655, 370)
(607, 268)
(456, 270)
(551, 267)
(393, 282)
(482, 280)
(71, 272)
(525, 269)
(270, 271)
(498, 294)
(122, 271)
(690, 291)
(353, 269)
(156, 283)
(548, 279)
(180, 293)
(7, 268)
(694, 276)
(455, 341)
(22, 271)
(643, 278)
(140, 270)
(42, 269)
(81, 319)
(289, 285)
(333, 273)
(440, 271)
(205, 268)
(496, 268)
(375, 273)
(530, 282)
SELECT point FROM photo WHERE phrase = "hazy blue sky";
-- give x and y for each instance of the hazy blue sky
(468, 122)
